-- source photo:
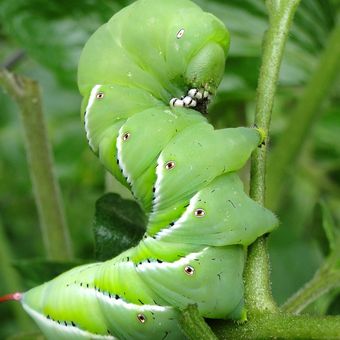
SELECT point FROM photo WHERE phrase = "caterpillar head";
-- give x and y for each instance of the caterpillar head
(162, 47)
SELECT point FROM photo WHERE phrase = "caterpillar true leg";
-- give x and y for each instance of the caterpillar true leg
(199, 94)
(183, 102)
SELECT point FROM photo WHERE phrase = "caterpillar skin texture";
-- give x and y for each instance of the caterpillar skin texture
(145, 78)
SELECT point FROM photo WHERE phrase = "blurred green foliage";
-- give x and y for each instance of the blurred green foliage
(47, 37)
(119, 225)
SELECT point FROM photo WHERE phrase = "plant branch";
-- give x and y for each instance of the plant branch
(26, 93)
(281, 326)
(291, 142)
(319, 285)
(13, 60)
(193, 325)
(257, 289)
(325, 279)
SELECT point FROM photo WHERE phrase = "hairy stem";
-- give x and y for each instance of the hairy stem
(281, 326)
(291, 143)
(257, 290)
(26, 93)
(194, 326)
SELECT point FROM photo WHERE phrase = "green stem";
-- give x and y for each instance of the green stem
(193, 325)
(281, 326)
(325, 279)
(315, 288)
(257, 290)
(26, 93)
(291, 142)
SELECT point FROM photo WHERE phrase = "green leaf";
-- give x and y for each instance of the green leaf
(119, 224)
(37, 271)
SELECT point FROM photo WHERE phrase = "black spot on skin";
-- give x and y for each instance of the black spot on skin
(159, 261)
(148, 260)
(116, 297)
(153, 189)
(48, 317)
(87, 285)
(141, 301)
(186, 205)
(58, 322)
(81, 284)
(73, 324)
(128, 259)
(117, 161)
(110, 295)
(108, 332)
(232, 203)
(172, 224)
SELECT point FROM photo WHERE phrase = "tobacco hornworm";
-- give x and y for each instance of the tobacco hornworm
(146, 77)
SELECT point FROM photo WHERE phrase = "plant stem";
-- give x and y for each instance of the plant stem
(325, 279)
(315, 288)
(26, 93)
(291, 142)
(257, 289)
(281, 326)
(193, 325)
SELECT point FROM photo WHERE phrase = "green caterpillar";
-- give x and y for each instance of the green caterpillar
(146, 77)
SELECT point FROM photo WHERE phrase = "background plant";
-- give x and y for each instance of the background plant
(42, 40)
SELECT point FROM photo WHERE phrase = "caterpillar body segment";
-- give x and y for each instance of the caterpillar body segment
(132, 72)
